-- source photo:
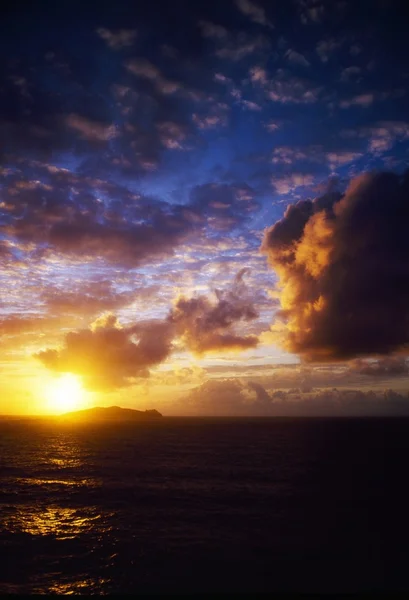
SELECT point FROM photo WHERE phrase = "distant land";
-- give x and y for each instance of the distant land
(112, 413)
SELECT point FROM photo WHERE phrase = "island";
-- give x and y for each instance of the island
(111, 413)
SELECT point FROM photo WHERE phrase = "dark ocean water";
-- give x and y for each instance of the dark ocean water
(204, 505)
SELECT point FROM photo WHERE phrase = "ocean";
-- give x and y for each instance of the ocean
(181, 505)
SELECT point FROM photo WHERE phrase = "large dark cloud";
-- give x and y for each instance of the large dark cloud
(343, 267)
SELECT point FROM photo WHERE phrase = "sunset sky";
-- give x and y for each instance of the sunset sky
(204, 207)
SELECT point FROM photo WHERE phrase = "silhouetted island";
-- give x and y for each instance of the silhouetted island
(112, 413)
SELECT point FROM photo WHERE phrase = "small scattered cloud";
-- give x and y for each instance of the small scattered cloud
(311, 11)
(145, 69)
(255, 12)
(288, 89)
(288, 183)
(249, 105)
(212, 30)
(172, 135)
(258, 75)
(363, 100)
(296, 58)
(340, 158)
(118, 39)
(350, 73)
(242, 45)
(327, 47)
(89, 130)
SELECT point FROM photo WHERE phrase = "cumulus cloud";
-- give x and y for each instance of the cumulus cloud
(343, 271)
(108, 355)
(207, 325)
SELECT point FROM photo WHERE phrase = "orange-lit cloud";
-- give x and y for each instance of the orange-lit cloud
(342, 263)
(108, 354)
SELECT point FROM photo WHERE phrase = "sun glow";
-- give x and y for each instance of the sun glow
(65, 394)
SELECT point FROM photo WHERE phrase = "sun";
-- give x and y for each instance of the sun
(65, 394)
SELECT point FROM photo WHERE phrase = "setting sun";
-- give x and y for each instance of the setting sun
(65, 394)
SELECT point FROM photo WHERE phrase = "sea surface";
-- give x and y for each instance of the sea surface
(204, 505)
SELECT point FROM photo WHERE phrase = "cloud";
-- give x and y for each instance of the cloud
(258, 75)
(288, 155)
(350, 73)
(15, 324)
(225, 397)
(235, 397)
(225, 206)
(272, 126)
(207, 325)
(343, 271)
(172, 135)
(254, 12)
(216, 116)
(288, 183)
(311, 11)
(363, 100)
(296, 58)
(121, 38)
(390, 366)
(90, 298)
(60, 212)
(381, 136)
(145, 69)
(91, 130)
(253, 106)
(288, 89)
(212, 30)
(326, 48)
(385, 134)
(241, 45)
(108, 355)
(342, 157)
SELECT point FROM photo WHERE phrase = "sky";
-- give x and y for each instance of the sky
(204, 207)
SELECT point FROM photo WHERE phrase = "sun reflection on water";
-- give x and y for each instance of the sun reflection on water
(63, 523)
